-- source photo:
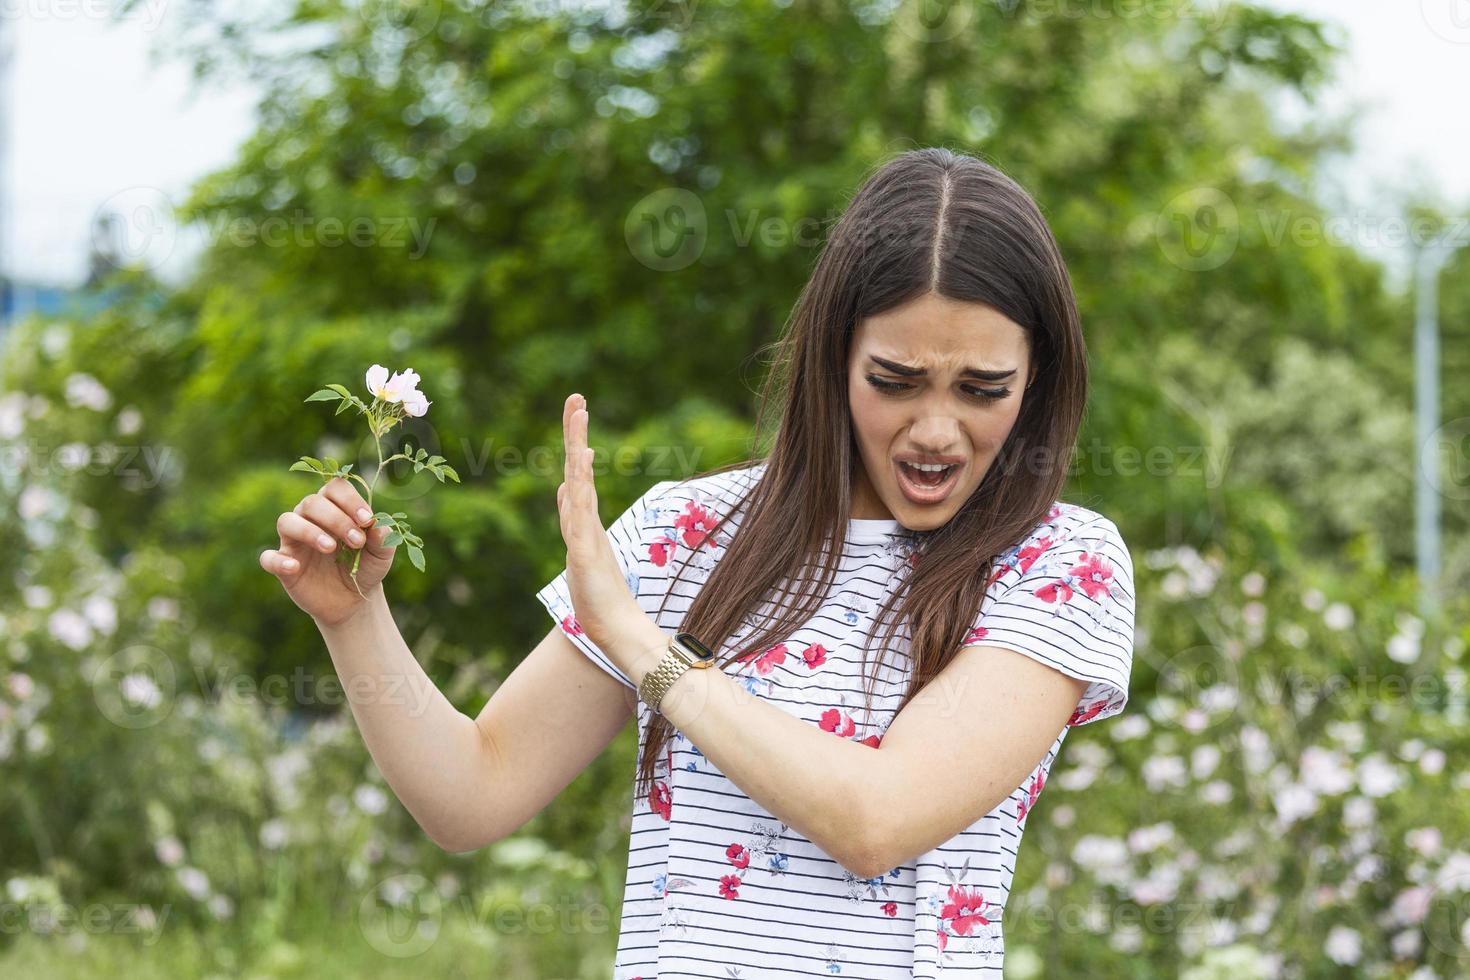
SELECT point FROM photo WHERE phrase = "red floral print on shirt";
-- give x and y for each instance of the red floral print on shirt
(838, 722)
(814, 655)
(696, 522)
(1087, 713)
(660, 797)
(1093, 574)
(965, 910)
(768, 660)
(760, 846)
(1032, 793)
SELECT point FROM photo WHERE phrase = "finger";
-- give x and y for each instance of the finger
(296, 528)
(342, 493)
(279, 565)
(568, 409)
(328, 516)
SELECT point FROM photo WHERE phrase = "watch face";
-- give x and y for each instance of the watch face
(702, 652)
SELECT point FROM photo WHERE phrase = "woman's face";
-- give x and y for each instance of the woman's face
(935, 380)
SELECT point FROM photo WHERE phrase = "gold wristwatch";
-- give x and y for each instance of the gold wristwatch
(684, 652)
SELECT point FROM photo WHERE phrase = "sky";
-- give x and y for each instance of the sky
(130, 135)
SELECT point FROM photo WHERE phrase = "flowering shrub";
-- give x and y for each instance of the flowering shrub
(1281, 804)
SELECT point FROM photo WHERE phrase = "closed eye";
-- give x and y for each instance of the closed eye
(895, 387)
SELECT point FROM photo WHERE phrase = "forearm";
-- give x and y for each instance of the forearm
(432, 755)
(808, 778)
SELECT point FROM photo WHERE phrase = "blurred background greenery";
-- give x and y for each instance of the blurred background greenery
(549, 198)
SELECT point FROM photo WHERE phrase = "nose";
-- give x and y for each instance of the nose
(937, 434)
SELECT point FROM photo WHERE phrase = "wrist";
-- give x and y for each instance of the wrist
(646, 645)
(362, 611)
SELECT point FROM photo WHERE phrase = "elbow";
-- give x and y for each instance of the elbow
(865, 846)
(867, 862)
(452, 842)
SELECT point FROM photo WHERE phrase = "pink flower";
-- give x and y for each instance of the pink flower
(738, 856)
(1060, 590)
(1027, 556)
(837, 722)
(872, 740)
(729, 885)
(767, 661)
(401, 388)
(1032, 794)
(964, 910)
(890, 908)
(814, 655)
(696, 522)
(661, 800)
(662, 550)
(570, 625)
(974, 636)
(1087, 713)
(1093, 575)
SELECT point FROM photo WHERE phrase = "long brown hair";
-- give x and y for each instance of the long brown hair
(928, 220)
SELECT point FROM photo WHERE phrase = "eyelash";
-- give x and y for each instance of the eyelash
(893, 387)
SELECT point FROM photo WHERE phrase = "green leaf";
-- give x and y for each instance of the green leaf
(305, 467)
(449, 471)
(400, 514)
(323, 395)
(342, 391)
(393, 539)
(416, 555)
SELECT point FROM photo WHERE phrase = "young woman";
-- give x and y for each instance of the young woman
(905, 618)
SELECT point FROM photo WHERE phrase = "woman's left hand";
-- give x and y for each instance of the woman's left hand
(604, 607)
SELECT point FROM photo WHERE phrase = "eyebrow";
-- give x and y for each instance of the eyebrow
(918, 372)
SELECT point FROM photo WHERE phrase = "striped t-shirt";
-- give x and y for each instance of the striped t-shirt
(719, 887)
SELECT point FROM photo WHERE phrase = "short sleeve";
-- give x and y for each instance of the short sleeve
(1064, 597)
(630, 547)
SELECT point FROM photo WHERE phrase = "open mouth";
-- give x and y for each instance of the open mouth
(927, 484)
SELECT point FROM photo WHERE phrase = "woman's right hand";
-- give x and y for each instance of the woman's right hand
(307, 566)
